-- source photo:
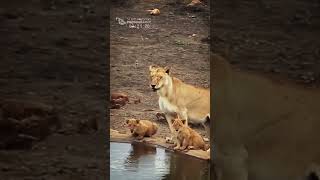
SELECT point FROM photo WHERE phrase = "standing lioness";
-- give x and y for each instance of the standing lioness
(189, 102)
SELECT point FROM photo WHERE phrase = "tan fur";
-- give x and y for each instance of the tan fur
(187, 138)
(142, 128)
(263, 129)
(189, 102)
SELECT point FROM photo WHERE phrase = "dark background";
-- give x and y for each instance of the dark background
(55, 52)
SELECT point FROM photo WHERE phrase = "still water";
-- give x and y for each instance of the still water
(138, 161)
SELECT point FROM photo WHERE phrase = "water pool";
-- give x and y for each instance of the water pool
(138, 161)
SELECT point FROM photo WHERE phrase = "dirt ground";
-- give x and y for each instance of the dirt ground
(167, 42)
(54, 52)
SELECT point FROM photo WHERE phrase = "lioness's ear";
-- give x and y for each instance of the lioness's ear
(137, 120)
(167, 69)
(183, 121)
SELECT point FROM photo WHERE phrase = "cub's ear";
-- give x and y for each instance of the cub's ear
(167, 69)
(151, 67)
(172, 121)
(138, 121)
(183, 121)
(127, 121)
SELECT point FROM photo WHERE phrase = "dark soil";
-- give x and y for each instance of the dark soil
(277, 37)
(54, 53)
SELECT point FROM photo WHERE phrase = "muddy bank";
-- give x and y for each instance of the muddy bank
(115, 136)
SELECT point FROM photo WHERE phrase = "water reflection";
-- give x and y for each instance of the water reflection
(142, 162)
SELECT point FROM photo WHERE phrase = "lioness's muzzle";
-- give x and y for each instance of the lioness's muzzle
(154, 87)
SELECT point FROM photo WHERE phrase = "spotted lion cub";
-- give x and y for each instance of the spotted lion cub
(187, 138)
(142, 128)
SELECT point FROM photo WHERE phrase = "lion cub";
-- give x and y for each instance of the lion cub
(142, 128)
(187, 137)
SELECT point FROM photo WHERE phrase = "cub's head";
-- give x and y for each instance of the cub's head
(178, 123)
(132, 123)
(158, 77)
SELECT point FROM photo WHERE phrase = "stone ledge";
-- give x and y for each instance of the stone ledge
(115, 136)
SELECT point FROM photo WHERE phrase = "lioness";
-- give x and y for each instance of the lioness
(142, 128)
(187, 137)
(189, 102)
(263, 129)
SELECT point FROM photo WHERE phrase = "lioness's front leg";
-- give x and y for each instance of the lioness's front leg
(172, 131)
(169, 120)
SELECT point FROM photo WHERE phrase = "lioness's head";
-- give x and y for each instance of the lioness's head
(132, 123)
(178, 123)
(159, 77)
